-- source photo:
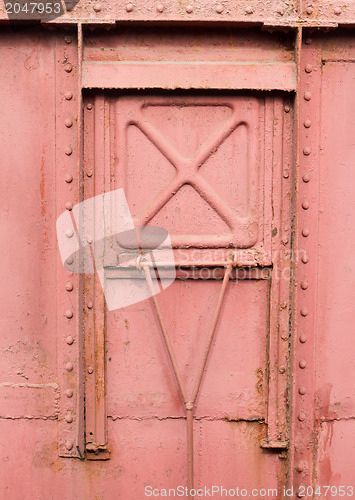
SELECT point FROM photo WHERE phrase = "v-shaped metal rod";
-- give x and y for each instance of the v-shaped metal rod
(188, 403)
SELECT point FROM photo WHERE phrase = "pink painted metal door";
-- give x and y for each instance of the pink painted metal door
(188, 388)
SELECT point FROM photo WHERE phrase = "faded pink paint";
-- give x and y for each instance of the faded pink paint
(219, 170)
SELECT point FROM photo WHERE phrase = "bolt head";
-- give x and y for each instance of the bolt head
(307, 123)
(69, 340)
(69, 205)
(306, 178)
(308, 68)
(305, 205)
(68, 95)
(69, 445)
(129, 7)
(306, 150)
(282, 369)
(69, 286)
(304, 285)
(69, 418)
(90, 370)
(89, 173)
(285, 174)
(68, 150)
(249, 10)
(90, 304)
(337, 11)
(69, 367)
(68, 39)
(280, 10)
(308, 41)
(189, 9)
(307, 96)
(302, 363)
(89, 105)
(302, 390)
(304, 258)
(287, 109)
(69, 260)
(68, 122)
(302, 338)
(309, 10)
(305, 232)
(97, 7)
(68, 68)
(68, 178)
(304, 311)
(160, 7)
(69, 393)
(68, 313)
(300, 467)
(219, 8)
(69, 233)
(301, 416)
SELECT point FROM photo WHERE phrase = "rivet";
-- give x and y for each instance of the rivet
(89, 173)
(69, 340)
(68, 313)
(285, 174)
(304, 311)
(219, 8)
(304, 285)
(306, 177)
(68, 95)
(69, 393)
(280, 11)
(69, 445)
(89, 239)
(307, 123)
(189, 9)
(97, 7)
(69, 367)
(68, 150)
(283, 305)
(284, 241)
(301, 416)
(308, 41)
(90, 370)
(68, 178)
(69, 418)
(129, 7)
(308, 68)
(305, 232)
(249, 10)
(69, 260)
(302, 338)
(284, 336)
(68, 39)
(160, 8)
(337, 11)
(309, 10)
(89, 305)
(68, 123)
(307, 96)
(305, 205)
(89, 105)
(69, 233)
(304, 258)
(302, 364)
(287, 109)
(69, 205)
(302, 390)
(69, 286)
(306, 150)
(68, 68)
(282, 369)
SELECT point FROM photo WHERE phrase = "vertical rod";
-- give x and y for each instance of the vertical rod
(190, 450)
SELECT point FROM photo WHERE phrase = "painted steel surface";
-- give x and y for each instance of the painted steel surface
(239, 143)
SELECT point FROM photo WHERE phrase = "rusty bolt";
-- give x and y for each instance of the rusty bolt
(69, 205)
(305, 205)
(69, 233)
(129, 7)
(97, 7)
(305, 232)
(302, 338)
(285, 174)
(90, 370)
(306, 178)
(304, 311)
(301, 416)
(68, 95)
(89, 173)
(249, 10)
(219, 8)
(69, 340)
(304, 285)
(69, 367)
(302, 364)
(69, 260)
(307, 123)
(284, 336)
(68, 39)
(283, 305)
(68, 68)
(337, 11)
(68, 150)
(306, 150)
(69, 286)
(160, 7)
(300, 467)
(69, 445)
(69, 418)
(282, 369)
(308, 68)
(68, 178)
(68, 122)
(69, 393)
(90, 304)
(68, 313)
(189, 9)
(307, 96)
(309, 10)
(280, 10)
(89, 105)
(287, 109)
(302, 390)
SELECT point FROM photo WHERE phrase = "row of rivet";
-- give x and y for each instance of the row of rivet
(69, 287)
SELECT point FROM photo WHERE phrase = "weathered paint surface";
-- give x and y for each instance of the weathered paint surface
(90, 406)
